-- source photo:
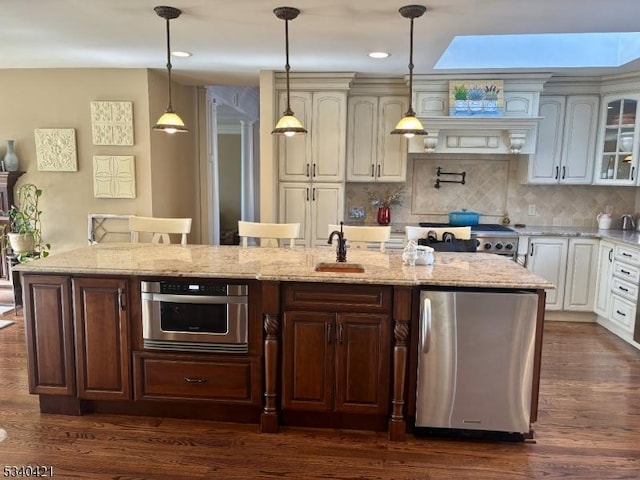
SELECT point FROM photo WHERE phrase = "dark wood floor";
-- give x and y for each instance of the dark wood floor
(588, 428)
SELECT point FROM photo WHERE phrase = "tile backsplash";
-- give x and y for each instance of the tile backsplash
(492, 189)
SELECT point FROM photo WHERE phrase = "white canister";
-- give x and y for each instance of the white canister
(604, 221)
(424, 255)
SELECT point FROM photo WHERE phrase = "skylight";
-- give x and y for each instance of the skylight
(546, 50)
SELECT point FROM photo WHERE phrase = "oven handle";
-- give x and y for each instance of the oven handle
(204, 299)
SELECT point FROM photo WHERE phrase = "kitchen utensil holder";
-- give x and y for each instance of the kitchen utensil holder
(440, 172)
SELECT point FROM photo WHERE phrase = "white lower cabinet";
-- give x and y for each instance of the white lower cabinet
(548, 258)
(315, 206)
(621, 273)
(603, 282)
(571, 265)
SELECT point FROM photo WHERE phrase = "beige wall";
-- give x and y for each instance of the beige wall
(60, 98)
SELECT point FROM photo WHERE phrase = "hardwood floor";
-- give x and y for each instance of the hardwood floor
(588, 428)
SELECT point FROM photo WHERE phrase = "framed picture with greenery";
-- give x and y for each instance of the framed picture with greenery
(482, 98)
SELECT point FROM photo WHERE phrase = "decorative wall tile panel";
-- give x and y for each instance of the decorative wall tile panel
(114, 176)
(56, 149)
(112, 123)
(492, 188)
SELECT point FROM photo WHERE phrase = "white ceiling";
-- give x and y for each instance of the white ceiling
(233, 40)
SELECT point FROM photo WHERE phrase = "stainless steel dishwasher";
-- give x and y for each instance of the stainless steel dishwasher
(475, 360)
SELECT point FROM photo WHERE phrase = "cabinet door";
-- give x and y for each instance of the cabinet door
(582, 265)
(362, 134)
(295, 207)
(392, 149)
(308, 370)
(548, 258)
(327, 207)
(102, 338)
(47, 315)
(617, 159)
(294, 153)
(579, 139)
(544, 166)
(362, 367)
(603, 282)
(328, 136)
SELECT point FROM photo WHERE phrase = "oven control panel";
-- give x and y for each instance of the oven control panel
(192, 288)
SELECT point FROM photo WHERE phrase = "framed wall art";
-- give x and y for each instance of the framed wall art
(476, 98)
(56, 149)
(112, 123)
(114, 176)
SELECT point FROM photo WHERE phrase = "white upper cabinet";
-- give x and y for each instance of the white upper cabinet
(373, 154)
(565, 148)
(319, 155)
(617, 159)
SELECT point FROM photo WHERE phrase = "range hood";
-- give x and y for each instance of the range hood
(513, 132)
(481, 135)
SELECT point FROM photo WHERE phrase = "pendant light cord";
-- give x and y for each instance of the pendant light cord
(410, 112)
(288, 111)
(170, 108)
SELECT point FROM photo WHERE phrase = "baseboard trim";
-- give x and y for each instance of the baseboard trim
(585, 317)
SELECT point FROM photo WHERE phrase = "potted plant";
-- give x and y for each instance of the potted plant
(475, 95)
(460, 98)
(23, 234)
(491, 98)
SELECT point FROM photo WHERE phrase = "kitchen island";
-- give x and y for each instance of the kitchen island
(83, 315)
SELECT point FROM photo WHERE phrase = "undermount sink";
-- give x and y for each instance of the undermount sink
(339, 267)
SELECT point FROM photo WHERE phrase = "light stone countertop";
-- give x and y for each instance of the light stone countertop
(285, 264)
(629, 237)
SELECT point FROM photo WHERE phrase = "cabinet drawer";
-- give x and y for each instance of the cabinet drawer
(170, 377)
(334, 297)
(625, 289)
(625, 271)
(623, 312)
(628, 254)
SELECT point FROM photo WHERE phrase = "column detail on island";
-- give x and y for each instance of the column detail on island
(401, 318)
(271, 322)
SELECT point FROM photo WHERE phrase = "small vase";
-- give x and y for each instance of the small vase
(10, 158)
(384, 215)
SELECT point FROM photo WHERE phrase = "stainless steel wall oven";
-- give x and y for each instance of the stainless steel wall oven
(201, 316)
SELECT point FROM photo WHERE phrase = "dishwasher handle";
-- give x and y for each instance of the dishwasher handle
(425, 326)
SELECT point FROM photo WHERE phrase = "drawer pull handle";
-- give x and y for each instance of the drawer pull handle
(195, 380)
(623, 289)
(620, 313)
(627, 254)
(625, 271)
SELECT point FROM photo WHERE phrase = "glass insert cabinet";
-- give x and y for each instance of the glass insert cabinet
(618, 145)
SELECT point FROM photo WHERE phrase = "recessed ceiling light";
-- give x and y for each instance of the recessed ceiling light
(178, 53)
(378, 54)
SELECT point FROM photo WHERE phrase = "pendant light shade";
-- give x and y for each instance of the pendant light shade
(409, 125)
(170, 121)
(288, 124)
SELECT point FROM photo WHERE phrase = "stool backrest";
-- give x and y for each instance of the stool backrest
(159, 228)
(269, 234)
(362, 236)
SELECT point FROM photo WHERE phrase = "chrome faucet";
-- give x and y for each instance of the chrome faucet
(341, 249)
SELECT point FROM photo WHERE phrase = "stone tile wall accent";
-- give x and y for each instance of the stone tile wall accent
(493, 189)
(56, 149)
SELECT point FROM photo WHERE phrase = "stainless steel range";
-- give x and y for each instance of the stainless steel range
(490, 238)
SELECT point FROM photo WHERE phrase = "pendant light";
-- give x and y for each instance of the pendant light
(169, 122)
(409, 125)
(288, 125)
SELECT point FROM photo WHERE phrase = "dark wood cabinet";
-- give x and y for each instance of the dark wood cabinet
(362, 363)
(48, 320)
(102, 346)
(210, 378)
(336, 360)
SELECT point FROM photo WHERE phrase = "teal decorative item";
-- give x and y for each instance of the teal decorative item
(10, 158)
